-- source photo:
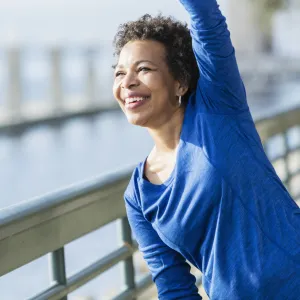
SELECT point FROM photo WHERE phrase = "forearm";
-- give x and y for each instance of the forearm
(171, 274)
(208, 27)
(220, 80)
(170, 271)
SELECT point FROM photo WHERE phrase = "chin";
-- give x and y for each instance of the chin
(136, 120)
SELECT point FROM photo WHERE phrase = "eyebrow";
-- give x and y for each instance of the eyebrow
(136, 63)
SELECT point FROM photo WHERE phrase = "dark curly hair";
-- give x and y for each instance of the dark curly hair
(174, 35)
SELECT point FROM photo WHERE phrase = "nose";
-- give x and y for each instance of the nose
(129, 80)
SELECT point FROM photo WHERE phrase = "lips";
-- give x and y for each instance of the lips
(135, 99)
(134, 102)
(135, 96)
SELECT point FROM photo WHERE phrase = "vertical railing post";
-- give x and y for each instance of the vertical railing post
(57, 268)
(91, 78)
(14, 84)
(128, 267)
(56, 81)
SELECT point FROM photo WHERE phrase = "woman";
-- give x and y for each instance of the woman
(206, 193)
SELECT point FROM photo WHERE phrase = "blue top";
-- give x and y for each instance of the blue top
(223, 208)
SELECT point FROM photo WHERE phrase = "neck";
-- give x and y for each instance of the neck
(166, 136)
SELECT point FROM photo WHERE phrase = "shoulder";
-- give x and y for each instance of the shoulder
(132, 188)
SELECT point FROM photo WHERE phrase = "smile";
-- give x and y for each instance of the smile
(135, 99)
(135, 102)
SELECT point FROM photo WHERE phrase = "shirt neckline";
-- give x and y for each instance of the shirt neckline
(170, 179)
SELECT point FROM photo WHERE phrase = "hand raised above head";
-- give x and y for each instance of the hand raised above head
(220, 80)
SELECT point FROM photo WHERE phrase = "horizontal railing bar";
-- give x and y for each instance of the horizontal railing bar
(283, 156)
(25, 209)
(141, 286)
(292, 174)
(55, 288)
(128, 294)
(144, 284)
(295, 173)
(286, 180)
(15, 225)
(275, 124)
(58, 226)
(297, 196)
(85, 275)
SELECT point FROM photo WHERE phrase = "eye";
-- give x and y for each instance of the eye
(145, 69)
(119, 73)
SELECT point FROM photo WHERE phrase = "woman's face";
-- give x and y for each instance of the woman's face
(143, 86)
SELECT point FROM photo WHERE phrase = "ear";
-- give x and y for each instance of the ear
(181, 89)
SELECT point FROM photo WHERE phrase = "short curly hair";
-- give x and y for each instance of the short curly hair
(176, 38)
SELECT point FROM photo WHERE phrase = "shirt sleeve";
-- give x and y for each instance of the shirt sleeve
(220, 85)
(170, 271)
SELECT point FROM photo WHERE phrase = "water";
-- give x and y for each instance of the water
(44, 159)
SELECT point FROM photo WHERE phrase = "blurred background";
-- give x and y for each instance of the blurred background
(60, 125)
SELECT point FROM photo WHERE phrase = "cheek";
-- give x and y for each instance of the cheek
(158, 82)
(152, 81)
(162, 89)
(155, 84)
(116, 90)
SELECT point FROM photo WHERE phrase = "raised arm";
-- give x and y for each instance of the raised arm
(220, 80)
(170, 271)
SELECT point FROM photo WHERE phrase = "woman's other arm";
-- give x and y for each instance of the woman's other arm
(220, 81)
(170, 271)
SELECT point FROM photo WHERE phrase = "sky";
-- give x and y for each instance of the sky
(61, 22)
(53, 21)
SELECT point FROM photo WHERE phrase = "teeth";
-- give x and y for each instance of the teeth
(130, 100)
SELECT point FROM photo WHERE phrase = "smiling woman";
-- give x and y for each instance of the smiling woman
(146, 90)
(207, 192)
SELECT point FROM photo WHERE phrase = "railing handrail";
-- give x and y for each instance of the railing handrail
(275, 124)
(59, 216)
(29, 207)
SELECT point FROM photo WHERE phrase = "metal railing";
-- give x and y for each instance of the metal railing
(286, 163)
(32, 229)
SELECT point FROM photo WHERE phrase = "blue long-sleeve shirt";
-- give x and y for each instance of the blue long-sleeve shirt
(223, 208)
